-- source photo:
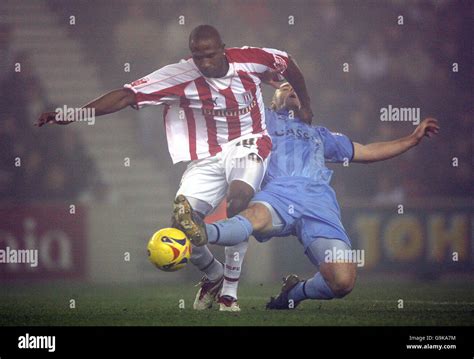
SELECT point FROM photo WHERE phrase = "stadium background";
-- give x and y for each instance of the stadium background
(89, 196)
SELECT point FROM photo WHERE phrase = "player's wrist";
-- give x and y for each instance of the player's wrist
(413, 139)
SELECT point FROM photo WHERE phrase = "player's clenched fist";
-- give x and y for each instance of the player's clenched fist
(50, 117)
(271, 78)
(427, 127)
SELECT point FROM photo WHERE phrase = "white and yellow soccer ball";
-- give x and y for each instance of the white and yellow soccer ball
(169, 249)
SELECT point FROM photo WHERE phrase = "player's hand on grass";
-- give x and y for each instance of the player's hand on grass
(428, 127)
(50, 117)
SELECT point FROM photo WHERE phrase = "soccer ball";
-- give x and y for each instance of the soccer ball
(169, 249)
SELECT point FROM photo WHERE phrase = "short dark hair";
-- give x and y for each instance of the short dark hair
(205, 32)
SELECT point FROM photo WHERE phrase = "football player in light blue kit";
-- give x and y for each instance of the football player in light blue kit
(297, 199)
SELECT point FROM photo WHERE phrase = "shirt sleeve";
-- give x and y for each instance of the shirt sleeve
(260, 60)
(164, 86)
(337, 146)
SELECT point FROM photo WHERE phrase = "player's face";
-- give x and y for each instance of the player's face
(286, 97)
(209, 57)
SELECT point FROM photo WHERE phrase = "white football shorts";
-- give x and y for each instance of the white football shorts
(207, 180)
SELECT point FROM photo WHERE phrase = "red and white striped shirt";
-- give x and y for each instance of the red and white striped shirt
(202, 114)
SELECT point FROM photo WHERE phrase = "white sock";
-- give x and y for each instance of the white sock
(234, 256)
(202, 258)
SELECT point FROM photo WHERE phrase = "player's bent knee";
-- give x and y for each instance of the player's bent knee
(342, 287)
(239, 196)
(259, 216)
(238, 201)
(236, 205)
(339, 277)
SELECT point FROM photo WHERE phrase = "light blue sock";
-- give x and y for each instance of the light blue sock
(229, 232)
(313, 288)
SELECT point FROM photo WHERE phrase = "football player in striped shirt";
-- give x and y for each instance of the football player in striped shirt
(215, 118)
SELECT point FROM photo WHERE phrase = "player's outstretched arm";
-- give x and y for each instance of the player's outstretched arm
(380, 151)
(111, 102)
(295, 77)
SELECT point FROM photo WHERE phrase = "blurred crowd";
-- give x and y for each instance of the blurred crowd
(398, 53)
(54, 166)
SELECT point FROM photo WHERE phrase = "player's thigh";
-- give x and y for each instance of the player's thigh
(283, 221)
(204, 181)
(244, 180)
(245, 164)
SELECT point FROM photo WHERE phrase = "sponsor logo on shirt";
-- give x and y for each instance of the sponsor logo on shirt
(298, 133)
(141, 81)
(229, 112)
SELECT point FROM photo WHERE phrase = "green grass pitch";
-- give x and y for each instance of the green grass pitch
(371, 303)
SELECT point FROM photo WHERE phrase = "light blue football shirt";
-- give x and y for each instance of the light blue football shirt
(301, 150)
